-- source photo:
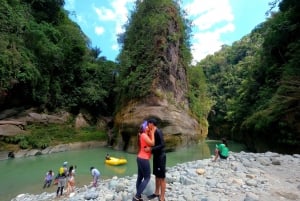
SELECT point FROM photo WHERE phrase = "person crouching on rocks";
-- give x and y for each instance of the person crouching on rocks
(221, 150)
(95, 174)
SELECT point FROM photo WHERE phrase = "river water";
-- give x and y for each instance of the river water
(26, 175)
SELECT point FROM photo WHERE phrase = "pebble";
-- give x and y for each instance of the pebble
(242, 177)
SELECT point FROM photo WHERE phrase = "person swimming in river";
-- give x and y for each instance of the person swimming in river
(48, 179)
(107, 157)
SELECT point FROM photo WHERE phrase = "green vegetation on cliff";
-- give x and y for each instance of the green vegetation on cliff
(155, 28)
(46, 61)
(255, 84)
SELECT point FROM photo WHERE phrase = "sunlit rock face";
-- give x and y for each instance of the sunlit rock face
(179, 128)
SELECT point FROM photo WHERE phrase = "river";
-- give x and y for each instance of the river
(26, 175)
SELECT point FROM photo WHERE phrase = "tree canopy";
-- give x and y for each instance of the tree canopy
(255, 83)
(46, 60)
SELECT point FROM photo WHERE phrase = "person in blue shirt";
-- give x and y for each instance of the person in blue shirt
(95, 174)
(48, 179)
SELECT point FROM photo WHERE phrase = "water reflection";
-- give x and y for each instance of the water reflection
(117, 170)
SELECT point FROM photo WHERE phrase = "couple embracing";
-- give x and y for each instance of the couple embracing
(151, 142)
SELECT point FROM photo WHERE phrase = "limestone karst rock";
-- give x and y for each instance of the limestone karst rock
(155, 46)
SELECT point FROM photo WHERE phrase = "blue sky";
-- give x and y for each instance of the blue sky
(215, 22)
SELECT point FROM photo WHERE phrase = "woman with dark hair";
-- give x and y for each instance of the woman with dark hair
(221, 150)
(145, 140)
(71, 180)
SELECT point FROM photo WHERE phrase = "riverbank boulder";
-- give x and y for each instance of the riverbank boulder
(14, 121)
(52, 149)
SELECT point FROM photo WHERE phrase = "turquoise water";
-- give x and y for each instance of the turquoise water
(26, 175)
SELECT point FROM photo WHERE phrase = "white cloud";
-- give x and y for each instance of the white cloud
(99, 30)
(115, 47)
(70, 4)
(120, 7)
(105, 14)
(81, 20)
(211, 19)
(117, 15)
(208, 42)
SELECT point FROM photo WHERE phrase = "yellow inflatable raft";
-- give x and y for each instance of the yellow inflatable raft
(116, 161)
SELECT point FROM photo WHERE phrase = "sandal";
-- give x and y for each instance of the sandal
(150, 197)
(137, 199)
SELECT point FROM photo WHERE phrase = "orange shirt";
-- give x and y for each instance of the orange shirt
(142, 154)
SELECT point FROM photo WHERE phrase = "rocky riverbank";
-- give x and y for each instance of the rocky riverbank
(243, 177)
(52, 149)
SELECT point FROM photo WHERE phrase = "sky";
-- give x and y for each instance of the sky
(215, 22)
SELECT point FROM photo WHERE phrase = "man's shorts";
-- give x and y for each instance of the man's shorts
(159, 166)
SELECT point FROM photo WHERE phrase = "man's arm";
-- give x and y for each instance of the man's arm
(161, 144)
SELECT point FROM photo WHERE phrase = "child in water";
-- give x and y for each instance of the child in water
(48, 179)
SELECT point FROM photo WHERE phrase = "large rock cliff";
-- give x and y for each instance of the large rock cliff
(179, 127)
(156, 46)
